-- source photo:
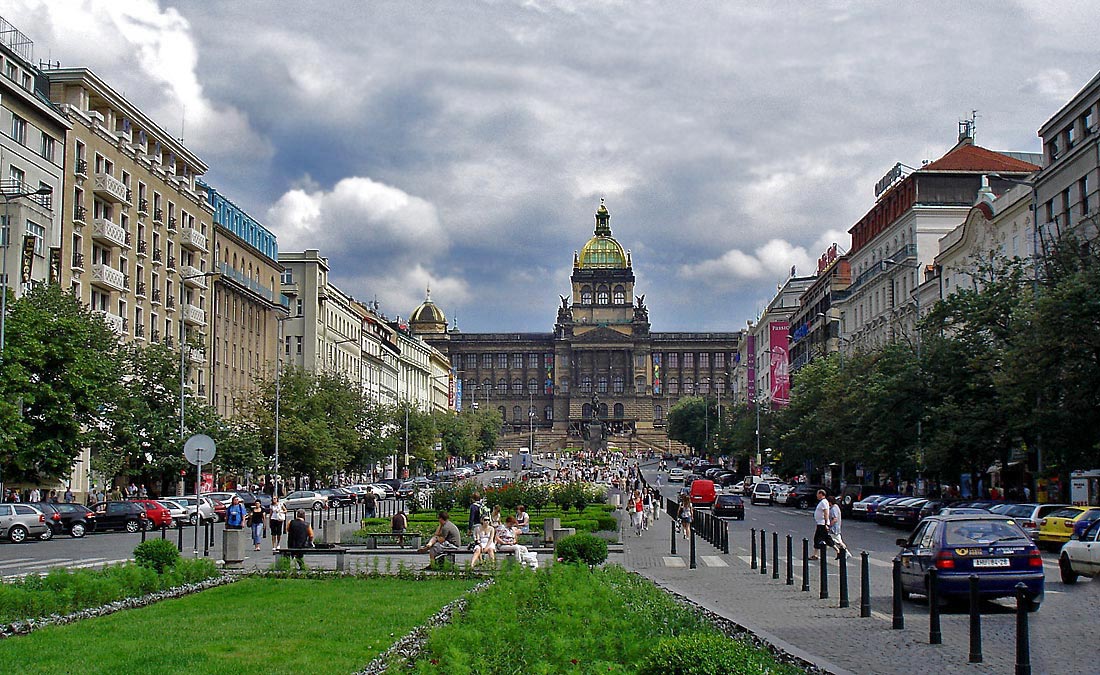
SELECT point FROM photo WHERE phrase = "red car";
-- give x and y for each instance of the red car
(157, 516)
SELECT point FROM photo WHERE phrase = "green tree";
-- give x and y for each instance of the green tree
(688, 422)
(60, 362)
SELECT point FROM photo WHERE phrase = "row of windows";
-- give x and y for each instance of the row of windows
(603, 295)
(690, 388)
(690, 359)
(470, 361)
(1082, 127)
(46, 144)
(519, 416)
(472, 388)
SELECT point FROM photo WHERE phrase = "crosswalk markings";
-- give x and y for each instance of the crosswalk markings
(714, 561)
(16, 562)
(673, 561)
(36, 562)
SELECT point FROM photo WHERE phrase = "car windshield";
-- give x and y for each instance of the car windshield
(1014, 510)
(1065, 513)
(967, 532)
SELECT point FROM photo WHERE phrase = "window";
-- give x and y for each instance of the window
(299, 307)
(298, 346)
(704, 387)
(517, 386)
(532, 360)
(673, 386)
(689, 360)
(602, 296)
(620, 295)
(49, 147)
(39, 233)
(617, 384)
(1070, 136)
(658, 412)
(673, 360)
(1065, 208)
(517, 360)
(502, 361)
(532, 386)
(619, 411)
(720, 360)
(586, 295)
(517, 413)
(586, 383)
(548, 413)
(287, 277)
(601, 384)
(18, 129)
(16, 174)
(502, 385)
(1083, 191)
(704, 360)
(486, 360)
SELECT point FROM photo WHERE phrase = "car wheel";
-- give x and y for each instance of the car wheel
(47, 535)
(17, 534)
(77, 530)
(801, 504)
(1066, 568)
(133, 526)
(317, 506)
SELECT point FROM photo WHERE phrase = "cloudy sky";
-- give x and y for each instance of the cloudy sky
(466, 145)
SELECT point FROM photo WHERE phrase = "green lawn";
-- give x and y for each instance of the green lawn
(257, 625)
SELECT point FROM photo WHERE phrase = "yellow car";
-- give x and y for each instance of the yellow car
(1056, 528)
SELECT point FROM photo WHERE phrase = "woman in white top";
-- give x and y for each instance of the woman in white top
(484, 541)
(278, 522)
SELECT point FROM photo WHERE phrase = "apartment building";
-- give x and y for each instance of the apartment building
(136, 241)
(31, 158)
(768, 353)
(815, 324)
(247, 304)
(381, 358)
(1067, 188)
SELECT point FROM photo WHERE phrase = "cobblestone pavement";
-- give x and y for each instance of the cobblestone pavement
(1062, 631)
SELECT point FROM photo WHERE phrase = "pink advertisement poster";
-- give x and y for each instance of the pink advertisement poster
(779, 338)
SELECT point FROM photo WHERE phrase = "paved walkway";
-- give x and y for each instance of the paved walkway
(838, 640)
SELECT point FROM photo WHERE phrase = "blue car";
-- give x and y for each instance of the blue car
(995, 548)
(1085, 522)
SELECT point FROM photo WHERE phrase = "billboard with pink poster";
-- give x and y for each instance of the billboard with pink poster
(779, 337)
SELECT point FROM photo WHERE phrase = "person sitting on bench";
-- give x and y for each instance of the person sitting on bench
(485, 541)
(398, 524)
(446, 538)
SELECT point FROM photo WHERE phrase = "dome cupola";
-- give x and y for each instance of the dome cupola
(602, 251)
(427, 318)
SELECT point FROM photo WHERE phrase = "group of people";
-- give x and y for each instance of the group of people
(644, 508)
(238, 515)
(488, 533)
(827, 520)
(35, 495)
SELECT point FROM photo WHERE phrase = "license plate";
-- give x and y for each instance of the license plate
(991, 562)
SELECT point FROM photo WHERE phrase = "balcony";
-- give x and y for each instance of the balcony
(80, 216)
(192, 276)
(143, 207)
(139, 331)
(196, 356)
(81, 168)
(110, 188)
(106, 232)
(158, 256)
(142, 248)
(193, 315)
(170, 302)
(78, 262)
(171, 262)
(171, 223)
(154, 335)
(192, 239)
(156, 296)
(158, 216)
(113, 321)
(108, 277)
(126, 282)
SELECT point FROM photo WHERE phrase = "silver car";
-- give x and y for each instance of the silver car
(206, 509)
(305, 499)
(19, 521)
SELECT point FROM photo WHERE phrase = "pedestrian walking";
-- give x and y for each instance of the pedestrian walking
(278, 522)
(637, 508)
(256, 522)
(822, 540)
(235, 514)
(834, 529)
(686, 516)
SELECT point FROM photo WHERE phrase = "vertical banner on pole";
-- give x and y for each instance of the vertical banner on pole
(779, 337)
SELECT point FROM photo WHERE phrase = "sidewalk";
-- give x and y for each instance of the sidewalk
(837, 640)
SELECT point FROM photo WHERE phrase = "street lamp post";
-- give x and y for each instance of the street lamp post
(183, 401)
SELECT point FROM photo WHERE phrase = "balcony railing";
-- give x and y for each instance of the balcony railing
(78, 261)
(80, 215)
(158, 255)
(140, 289)
(114, 321)
(143, 207)
(193, 315)
(196, 356)
(109, 277)
(105, 231)
(81, 168)
(139, 331)
(142, 247)
(192, 239)
(171, 262)
(111, 188)
(158, 216)
(170, 302)
(171, 222)
(236, 276)
(156, 296)
(10, 187)
(154, 335)
(192, 276)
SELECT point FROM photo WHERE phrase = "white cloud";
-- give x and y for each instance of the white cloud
(1053, 84)
(772, 260)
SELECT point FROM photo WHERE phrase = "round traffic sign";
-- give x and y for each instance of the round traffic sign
(199, 449)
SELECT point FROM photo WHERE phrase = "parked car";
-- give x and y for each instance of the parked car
(338, 496)
(75, 520)
(908, 514)
(676, 475)
(961, 510)
(702, 493)
(1084, 523)
(384, 490)
(1028, 515)
(861, 508)
(804, 495)
(206, 510)
(1056, 528)
(119, 515)
(729, 506)
(19, 522)
(156, 516)
(306, 499)
(852, 493)
(498, 481)
(1080, 555)
(994, 548)
(762, 494)
(884, 511)
(781, 492)
(178, 511)
(872, 505)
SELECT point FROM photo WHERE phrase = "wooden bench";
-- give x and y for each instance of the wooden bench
(336, 552)
(393, 539)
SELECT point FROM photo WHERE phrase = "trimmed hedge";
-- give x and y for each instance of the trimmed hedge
(581, 548)
(156, 554)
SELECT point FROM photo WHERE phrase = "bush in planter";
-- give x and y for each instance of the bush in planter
(582, 548)
(156, 554)
(705, 653)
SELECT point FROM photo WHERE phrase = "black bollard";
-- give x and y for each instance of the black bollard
(775, 555)
(144, 527)
(824, 575)
(935, 637)
(763, 552)
(1023, 648)
(179, 544)
(672, 526)
(975, 622)
(206, 540)
(753, 564)
(843, 581)
(691, 563)
(163, 531)
(865, 585)
(805, 564)
(899, 618)
(790, 561)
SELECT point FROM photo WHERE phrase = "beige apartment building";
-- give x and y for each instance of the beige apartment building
(135, 242)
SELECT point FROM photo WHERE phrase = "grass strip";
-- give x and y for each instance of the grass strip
(570, 619)
(257, 625)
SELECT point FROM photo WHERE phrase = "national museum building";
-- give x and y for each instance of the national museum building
(601, 352)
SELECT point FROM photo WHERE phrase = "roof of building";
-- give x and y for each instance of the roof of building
(602, 251)
(427, 318)
(968, 157)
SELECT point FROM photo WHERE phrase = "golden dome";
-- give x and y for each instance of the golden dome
(602, 251)
(427, 318)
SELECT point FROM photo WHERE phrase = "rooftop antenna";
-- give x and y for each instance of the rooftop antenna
(968, 127)
(183, 122)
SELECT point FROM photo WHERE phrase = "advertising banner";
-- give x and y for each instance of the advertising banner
(27, 264)
(656, 373)
(548, 385)
(456, 392)
(750, 367)
(779, 338)
(452, 383)
(208, 482)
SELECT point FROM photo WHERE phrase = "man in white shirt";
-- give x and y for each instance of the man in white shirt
(821, 521)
